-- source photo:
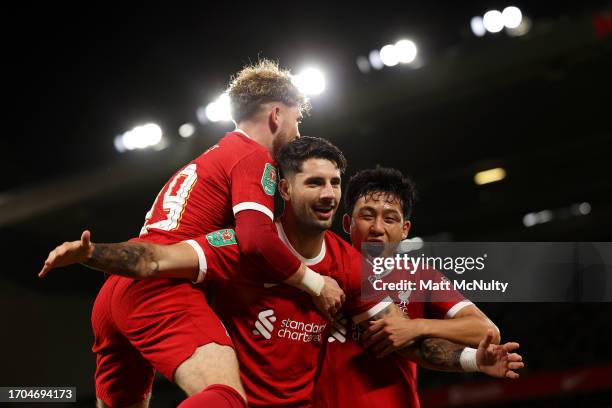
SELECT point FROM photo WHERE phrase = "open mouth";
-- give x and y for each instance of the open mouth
(324, 212)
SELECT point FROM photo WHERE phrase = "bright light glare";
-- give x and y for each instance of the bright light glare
(512, 17)
(140, 137)
(489, 176)
(584, 208)
(219, 110)
(375, 60)
(531, 219)
(477, 26)
(389, 55)
(522, 29)
(493, 21)
(406, 51)
(186, 130)
(310, 81)
(119, 146)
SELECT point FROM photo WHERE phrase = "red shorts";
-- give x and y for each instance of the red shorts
(143, 326)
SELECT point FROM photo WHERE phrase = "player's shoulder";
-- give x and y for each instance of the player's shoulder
(232, 148)
(339, 247)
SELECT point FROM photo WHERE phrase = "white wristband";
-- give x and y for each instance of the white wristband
(468, 360)
(312, 282)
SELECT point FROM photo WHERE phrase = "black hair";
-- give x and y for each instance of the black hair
(292, 155)
(384, 180)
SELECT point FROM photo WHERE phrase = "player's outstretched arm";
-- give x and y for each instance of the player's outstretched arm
(136, 260)
(495, 360)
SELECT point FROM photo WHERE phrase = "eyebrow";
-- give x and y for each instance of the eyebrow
(319, 179)
(386, 211)
(313, 179)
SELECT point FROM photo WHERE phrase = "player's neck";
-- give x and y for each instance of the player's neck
(258, 132)
(306, 242)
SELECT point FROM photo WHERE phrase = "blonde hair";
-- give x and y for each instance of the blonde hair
(261, 83)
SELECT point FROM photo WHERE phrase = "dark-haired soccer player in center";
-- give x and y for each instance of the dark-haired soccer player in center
(278, 334)
(378, 204)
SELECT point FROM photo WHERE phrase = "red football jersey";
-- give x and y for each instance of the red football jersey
(235, 174)
(353, 377)
(277, 331)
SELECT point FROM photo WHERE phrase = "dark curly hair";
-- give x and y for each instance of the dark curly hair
(261, 83)
(292, 155)
(388, 181)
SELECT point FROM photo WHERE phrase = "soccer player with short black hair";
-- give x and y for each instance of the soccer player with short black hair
(378, 204)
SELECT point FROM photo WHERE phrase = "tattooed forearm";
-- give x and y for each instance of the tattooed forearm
(134, 260)
(438, 354)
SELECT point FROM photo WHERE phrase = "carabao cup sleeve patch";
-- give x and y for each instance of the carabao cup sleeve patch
(269, 179)
(222, 237)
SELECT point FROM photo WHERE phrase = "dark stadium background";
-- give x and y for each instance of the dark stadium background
(538, 106)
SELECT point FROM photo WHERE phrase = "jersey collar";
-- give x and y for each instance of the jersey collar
(306, 261)
(241, 132)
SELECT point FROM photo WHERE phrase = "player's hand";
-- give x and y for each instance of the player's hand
(331, 298)
(68, 253)
(391, 333)
(498, 360)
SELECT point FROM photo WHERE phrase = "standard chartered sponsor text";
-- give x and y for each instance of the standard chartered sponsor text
(300, 331)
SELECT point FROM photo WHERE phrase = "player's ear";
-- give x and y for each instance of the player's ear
(346, 223)
(274, 118)
(284, 189)
(406, 229)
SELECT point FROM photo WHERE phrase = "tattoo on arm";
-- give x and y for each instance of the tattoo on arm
(438, 354)
(134, 260)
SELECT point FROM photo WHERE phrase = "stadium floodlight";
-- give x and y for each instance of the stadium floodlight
(493, 21)
(119, 146)
(534, 218)
(522, 29)
(477, 26)
(529, 220)
(544, 216)
(375, 61)
(512, 17)
(584, 208)
(186, 130)
(489, 176)
(389, 55)
(219, 110)
(406, 51)
(139, 137)
(310, 81)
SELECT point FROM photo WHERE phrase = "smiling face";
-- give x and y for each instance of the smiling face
(377, 217)
(313, 194)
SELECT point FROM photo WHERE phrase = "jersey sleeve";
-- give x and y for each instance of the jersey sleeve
(443, 303)
(219, 258)
(253, 183)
